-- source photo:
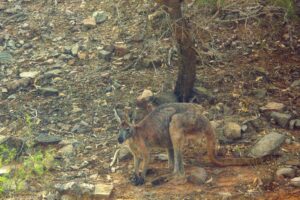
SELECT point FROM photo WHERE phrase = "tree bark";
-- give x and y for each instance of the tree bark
(187, 55)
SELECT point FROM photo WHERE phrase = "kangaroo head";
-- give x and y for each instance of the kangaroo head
(126, 131)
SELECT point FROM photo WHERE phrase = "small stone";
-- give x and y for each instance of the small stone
(89, 22)
(81, 127)
(150, 63)
(66, 197)
(86, 188)
(82, 55)
(88, 147)
(124, 154)
(13, 144)
(162, 157)
(53, 73)
(66, 151)
(244, 128)
(295, 182)
(295, 124)
(47, 91)
(70, 141)
(121, 50)
(47, 139)
(84, 164)
(5, 57)
(75, 49)
(3, 138)
(106, 55)
(30, 74)
(295, 83)
(103, 191)
(100, 16)
(75, 188)
(5, 170)
(260, 93)
(281, 119)
(286, 172)
(198, 176)
(273, 106)
(225, 195)
(146, 95)
(204, 94)
(267, 145)
(232, 130)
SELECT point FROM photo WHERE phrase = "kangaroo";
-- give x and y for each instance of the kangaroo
(168, 126)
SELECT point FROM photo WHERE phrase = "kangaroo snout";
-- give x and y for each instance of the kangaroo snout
(120, 139)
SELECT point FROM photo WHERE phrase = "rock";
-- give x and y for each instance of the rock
(75, 49)
(260, 93)
(295, 182)
(50, 196)
(164, 97)
(89, 22)
(225, 195)
(256, 124)
(286, 172)
(124, 154)
(88, 148)
(53, 73)
(244, 128)
(66, 197)
(150, 63)
(100, 16)
(146, 95)
(106, 55)
(81, 127)
(84, 164)
(281, 119)
(30, 74)
(16, 84)
(13, 143)
(48, 91)
(216, 123)
(198, 176)
(143, 100)
(75, 188)
(121, 50)
(161, 157)
(70, 141)
(46, 139)
(3, 138)
(267, 145)
(66, 151)
(5, 57)
(295, 83)
(103, 191)
(295, 124)
(5, 170)
(232, 130)
(272, 106)
(204, 94)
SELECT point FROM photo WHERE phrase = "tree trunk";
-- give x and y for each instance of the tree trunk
(187, 55)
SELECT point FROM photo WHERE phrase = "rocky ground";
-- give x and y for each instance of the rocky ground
(66, 65)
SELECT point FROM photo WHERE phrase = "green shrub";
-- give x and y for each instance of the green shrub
(287, 5)
(26, 169)
(213, 4)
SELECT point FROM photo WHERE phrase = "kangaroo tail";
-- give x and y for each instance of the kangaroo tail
(222, 162)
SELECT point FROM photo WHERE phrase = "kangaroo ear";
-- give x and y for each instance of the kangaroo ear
(126, 116)
(125, 124)
(122, 117)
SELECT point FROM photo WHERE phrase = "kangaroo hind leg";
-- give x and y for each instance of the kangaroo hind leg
(177, 137)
